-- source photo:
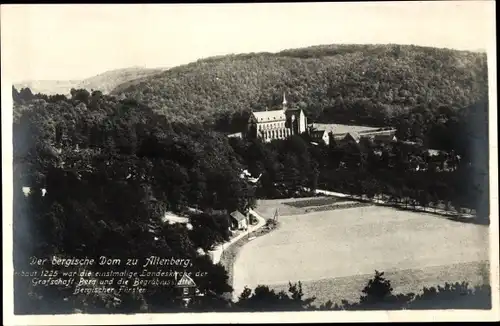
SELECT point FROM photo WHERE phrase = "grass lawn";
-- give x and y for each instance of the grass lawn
(403, 281)
(229, 255)
(334, 253)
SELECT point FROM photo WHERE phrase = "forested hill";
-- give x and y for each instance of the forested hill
(369, 84)
(105, 82)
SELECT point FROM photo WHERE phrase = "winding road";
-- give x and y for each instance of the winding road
(218, 250)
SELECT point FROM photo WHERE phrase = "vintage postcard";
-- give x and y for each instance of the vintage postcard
(251, 162)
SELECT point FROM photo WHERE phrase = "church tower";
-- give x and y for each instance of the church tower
(285, 107)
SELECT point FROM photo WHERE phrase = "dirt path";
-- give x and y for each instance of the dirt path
(219, 250)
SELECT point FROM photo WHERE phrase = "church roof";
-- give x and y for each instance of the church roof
(292, 111)
(267, 116)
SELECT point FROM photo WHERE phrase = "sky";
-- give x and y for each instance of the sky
(61, 42)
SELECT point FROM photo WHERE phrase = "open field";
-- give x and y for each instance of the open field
(229, 256)
(334, 253)
(403, 281)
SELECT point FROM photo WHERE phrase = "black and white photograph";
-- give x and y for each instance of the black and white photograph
(249, 162)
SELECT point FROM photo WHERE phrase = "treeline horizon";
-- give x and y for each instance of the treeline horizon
(403, 86)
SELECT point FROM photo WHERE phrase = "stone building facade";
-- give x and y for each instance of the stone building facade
(277, 124)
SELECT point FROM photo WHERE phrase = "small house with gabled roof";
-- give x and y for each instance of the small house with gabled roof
(238, 221)
(352, 136)
(186, 287)
(320, 136)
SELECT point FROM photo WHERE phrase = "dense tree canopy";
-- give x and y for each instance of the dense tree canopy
(404, 86)
(102, 174)
(104, 169)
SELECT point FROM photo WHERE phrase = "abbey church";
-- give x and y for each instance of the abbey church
(277, 124)
(280, 124)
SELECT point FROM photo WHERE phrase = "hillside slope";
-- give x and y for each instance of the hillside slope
(365, 83)
(104, 82)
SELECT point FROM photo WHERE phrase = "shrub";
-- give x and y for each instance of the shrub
(271, 224)
(378, 289)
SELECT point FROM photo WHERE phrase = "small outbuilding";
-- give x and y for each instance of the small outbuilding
(238, 221)
(352, 136)
(186, 287)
